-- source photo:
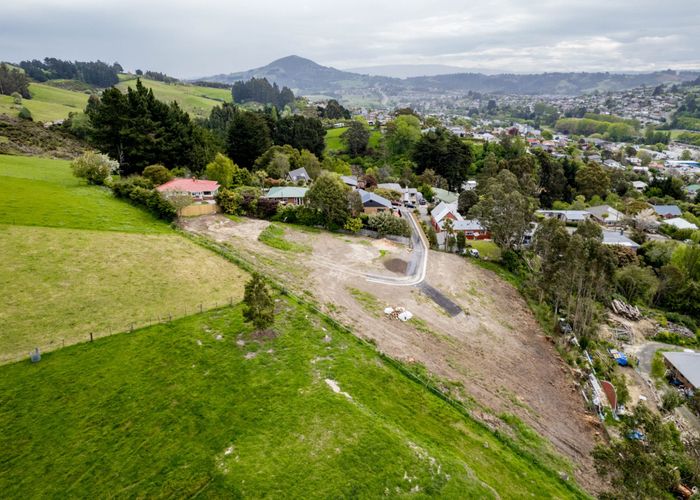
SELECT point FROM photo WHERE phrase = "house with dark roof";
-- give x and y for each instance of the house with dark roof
(617, 238)
(372, 203)
(667, 211)
(299, 174)
(566, 216)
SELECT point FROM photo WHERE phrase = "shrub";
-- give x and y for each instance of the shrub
(353, 224)
(139, 191)
(229, 200)
(386, 223)
(94, 167)
(25, 114)
(671, 400)
(157, 174)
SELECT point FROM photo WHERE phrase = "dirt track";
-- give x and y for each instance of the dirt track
(495, 349)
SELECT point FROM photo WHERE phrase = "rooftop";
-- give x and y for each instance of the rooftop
(189, 185)
(687, 363)
(286, 192)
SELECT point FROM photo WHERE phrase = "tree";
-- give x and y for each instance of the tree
(248, 138)
(157, 174)
(446, 154)
(301, 132)
(650, 467)
(636, 284)
(402, 133)
(13, 81)
(259, 306)
(504, 211)
(448, 228)
(278, 168)
(356, 138)
(221, 170)
(310, 163)
(386, 223)
(328, 195)
(461, 242)
(591, 180)
(686, 155)
(94, 167)
(552, 183)
(466, 200)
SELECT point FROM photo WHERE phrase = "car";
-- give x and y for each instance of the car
(473, 252)
(422, 202)
(408, 204)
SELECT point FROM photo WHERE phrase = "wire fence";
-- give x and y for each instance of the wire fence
(168, 316)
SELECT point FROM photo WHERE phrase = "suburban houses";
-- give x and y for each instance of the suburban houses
(289, 195)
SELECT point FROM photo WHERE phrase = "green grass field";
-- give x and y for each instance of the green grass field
(169, 411)
(43, 192)
(77, 260)
(273, 236)
(335, 144)
(487, 249)
(196, 100)
(47, 103)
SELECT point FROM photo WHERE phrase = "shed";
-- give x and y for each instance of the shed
(685, 366)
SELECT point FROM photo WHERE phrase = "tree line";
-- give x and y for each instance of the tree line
(95, 73)
(13, 81)
(259, 90)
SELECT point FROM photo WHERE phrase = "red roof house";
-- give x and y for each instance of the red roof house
(201, 190)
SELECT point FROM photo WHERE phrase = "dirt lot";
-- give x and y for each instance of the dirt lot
(495, 349)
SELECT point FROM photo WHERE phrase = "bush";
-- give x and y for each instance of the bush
(386, 223)
(157, 174)
(353, 224)
(140, 192)
(25, 114)
(96, 168)
(229, 200)
(671, 400)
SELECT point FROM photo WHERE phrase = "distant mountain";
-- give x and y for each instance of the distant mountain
(408, 70)
(306, 77)
(302, 76)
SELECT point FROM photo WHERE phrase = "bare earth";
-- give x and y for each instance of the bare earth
(496, 349)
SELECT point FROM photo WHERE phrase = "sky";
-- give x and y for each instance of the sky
(188, 39)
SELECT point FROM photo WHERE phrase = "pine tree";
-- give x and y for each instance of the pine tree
(260, 308)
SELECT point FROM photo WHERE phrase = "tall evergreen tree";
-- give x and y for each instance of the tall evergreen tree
(248, 138)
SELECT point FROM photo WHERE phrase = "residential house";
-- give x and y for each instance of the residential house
(472, 229)
(667, 211)
(605, 214)
(610, 163)
(200, 190)
(290, 195)
(299, 174)
(640, 186)
(617, 238)
(350, 180)
(372, 203)
(443, 211)
(680, 223)
(408, 195)
(685, 367)
(692, 190)
(567, 216)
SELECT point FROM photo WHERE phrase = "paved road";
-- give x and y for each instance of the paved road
(417, 265)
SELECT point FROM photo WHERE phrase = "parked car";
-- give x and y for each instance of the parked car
(422, 201)
(408, 204)
(473, 252)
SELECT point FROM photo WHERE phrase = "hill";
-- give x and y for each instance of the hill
(309, 78)
(78, 261)
(204, 406)
(48, 103)
(196, 100)
(303, 74)
(25, 137)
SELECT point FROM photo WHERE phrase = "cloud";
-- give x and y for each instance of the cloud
(188, 39)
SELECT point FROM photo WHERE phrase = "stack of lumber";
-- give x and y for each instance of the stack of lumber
(626, 310)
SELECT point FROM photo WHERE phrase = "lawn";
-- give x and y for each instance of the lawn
(47, 103)
(487, 249)
(43, 192)
(61, 284)
(194, 99)
(304, 412)
(273, 236)
(335, 144)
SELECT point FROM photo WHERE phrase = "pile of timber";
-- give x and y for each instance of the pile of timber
(626, 310)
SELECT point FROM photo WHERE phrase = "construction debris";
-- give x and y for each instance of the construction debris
(626, 310)
(677, 329)
(399, 313)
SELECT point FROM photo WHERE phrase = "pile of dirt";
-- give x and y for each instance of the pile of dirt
(396, 265)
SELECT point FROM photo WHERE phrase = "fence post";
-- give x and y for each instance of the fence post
(200, 308)
(132, 327)
(90, 336)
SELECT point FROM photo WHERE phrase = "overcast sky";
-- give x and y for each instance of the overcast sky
(198, 38)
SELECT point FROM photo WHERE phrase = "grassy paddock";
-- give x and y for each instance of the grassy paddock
(61, 284)
(194, 99)
(48, 103)
(171, 411)
(335, 144)
(43, 192)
